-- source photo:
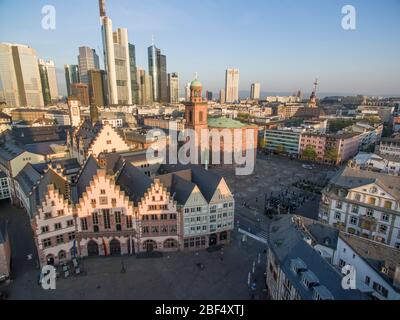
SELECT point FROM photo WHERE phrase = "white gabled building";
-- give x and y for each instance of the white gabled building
(364, 203)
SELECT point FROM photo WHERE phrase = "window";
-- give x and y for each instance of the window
(71, 236)
(388, 204)
(383, 229)
(60, 239)
(370, 212)
(357, 197)
(84, 224)
(102, 191)
(339, 204)
(354, 208)
(45, 229)
(47, 215)
(46, 243)
(129, 224)
(367, 280)
(106, 218)
(342, 263)
(93, 202)
(380, 289)
(338, 215)
(154, 229)
(70, 223)
(353, 220)
(117, 217)
(95, 218)
(385, 217)
(57, 226)
(146, 230)
(60, 212)
(372, 201)
(154, 217)
(164, 217)
(172, 216)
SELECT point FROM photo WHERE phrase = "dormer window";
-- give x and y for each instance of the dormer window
(374, 190)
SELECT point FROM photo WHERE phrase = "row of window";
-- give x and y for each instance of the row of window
(159, 230)
(60, 239)
(57, 226)
(370, 213)
(155, 217)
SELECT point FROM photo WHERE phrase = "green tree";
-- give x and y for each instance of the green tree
(332, 155)
(309, 153)
(280, 149)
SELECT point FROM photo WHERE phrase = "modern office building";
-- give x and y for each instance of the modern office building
(145, 87)
(8, 79)
(158, 72)
(47, 70)
(97, 88)
(232, 85)
(81, 91)
(71, 76)
(222, 96)
(283, 140)
(255, 91)
(122, 66)
(88, 60)
(20, 83)
(133, 69)
(173, 86)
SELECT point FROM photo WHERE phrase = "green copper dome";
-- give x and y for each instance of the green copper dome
(196, 84)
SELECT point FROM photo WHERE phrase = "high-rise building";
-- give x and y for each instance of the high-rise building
(187, 92)
(173, 86)
(209, 96)
(122, 66)
(8, 79)
(232, 85)
(81, 92)
(255, 91)
(222, 96)
(134, 79)
(28, 76)
(145, 87)
(158, 72)
(97, 88)
(48, 76)
(71, 76)
(88, 60)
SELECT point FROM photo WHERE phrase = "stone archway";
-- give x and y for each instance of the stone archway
(50, 259)
(149, 245)
(92, 248)
(213, 240)
(115, 247)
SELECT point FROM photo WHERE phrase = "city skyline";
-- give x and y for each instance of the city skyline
(310, 44)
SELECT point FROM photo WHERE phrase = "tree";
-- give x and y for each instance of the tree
(332, 155)
(309, 153)
(280, 149)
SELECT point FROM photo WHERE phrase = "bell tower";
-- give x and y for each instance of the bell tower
(196, 112)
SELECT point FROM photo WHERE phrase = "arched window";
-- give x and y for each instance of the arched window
(170, 243)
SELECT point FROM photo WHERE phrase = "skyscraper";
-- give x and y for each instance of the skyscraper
(8, 80)
(88, 60)
(122, 66)
(48, 76)
(187, 92)
(232, 85)
(71, 76)
(173, 86)
(255, 91)
(158, 72)
(81, 92)
(97, 88)
(145, 87)
(209, 96)
(222, 96)
(134, 79)
(26, 70)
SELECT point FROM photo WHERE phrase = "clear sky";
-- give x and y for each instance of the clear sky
(282, 44)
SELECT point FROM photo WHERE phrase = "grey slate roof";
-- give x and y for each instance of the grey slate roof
(349, 178)
(134, 182)
(206, 181)
(28, 177)
(43, 148)
(287, 244)
(9, 151)
(180, 189)
(89, 170)
(323, 234)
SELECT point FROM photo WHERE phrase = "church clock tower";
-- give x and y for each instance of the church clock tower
(196, 112)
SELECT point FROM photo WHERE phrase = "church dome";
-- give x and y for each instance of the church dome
(195, 84)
